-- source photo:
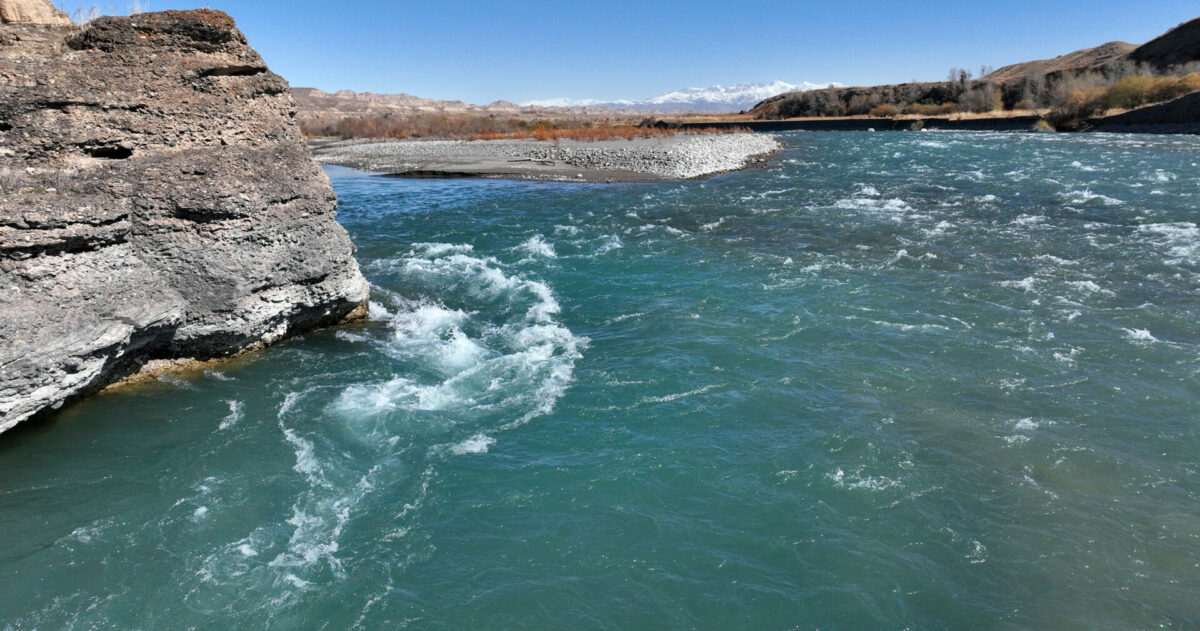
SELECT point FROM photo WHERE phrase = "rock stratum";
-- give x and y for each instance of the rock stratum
(157, 202)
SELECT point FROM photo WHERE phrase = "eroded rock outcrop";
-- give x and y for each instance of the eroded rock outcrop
(31, 12)
(156, 202)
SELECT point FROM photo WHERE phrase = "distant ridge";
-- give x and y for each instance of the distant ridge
(314, 104)
(717, 98)
(1078, 61)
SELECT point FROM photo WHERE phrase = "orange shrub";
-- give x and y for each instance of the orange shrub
(929, 109)
(593, 133)
(887, 110)
(1167, 88)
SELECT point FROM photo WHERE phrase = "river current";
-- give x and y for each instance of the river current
(904, 380)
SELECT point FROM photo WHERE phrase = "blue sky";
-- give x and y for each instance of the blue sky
(483, 51)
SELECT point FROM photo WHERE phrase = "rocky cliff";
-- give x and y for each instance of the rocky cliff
(156, 202)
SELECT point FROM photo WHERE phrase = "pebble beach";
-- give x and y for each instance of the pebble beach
(678, 157)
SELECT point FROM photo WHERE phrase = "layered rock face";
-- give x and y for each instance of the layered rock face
(156, 202)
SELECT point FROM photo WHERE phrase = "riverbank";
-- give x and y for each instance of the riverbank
(1178, 116)
(678, 157)
(861, 123)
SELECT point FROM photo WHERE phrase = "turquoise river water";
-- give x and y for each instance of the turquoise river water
(891, 381)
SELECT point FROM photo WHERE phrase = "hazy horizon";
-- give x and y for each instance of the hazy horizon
(536, 51)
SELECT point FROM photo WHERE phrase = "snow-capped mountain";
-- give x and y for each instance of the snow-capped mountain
(717, 98)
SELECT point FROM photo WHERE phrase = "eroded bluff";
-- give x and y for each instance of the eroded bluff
(156, 202)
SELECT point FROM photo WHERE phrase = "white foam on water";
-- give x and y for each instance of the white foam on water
(538, 246)
(1067, 357)
(978, 553)
(1086, 195)
(787, 475)
(396, 394)
(349, 336)
(608, 244)
(177, 382)
(482, 278)
(1029, 220)
(1090, 287)
(296, 581)
(675, 397)
(434, 250)
(986, 199)
(855, 480)
(709, 227)
(434, 333)
(217, 374)
(1180, 239)
(510, 358)
(378, 312)
(1026, 425)
(624, 317)
(1140, 335)
(477, 444)
(912, 327)
(1017, 176)
(1050, 258)
(1025, 284)
(885, 205)
(1160, 175)
(85, 534)
(236, 412)
(567, 230)
(289, 400)
(247, 551)
(1012, 384)
(306, 461)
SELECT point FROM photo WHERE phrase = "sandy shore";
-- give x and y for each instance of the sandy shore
(682, 156)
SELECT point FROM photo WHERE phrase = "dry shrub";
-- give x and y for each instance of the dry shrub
(1168, 88)
(411, 126)
(930, 109)
(886, 110)
(588, 133)
(472, 127)
(1132, 91)
(1078, 105)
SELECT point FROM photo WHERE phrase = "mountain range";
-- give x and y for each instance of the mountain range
(313, 104)
(717, 98)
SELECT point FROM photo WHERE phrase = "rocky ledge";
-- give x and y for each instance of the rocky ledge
(157, 204)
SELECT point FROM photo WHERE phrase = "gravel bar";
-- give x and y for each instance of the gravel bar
(677, 157)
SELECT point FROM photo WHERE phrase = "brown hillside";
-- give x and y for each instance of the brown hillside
(1072, 63)
(1178, 46)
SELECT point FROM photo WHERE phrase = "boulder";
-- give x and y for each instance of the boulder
(157, 202)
